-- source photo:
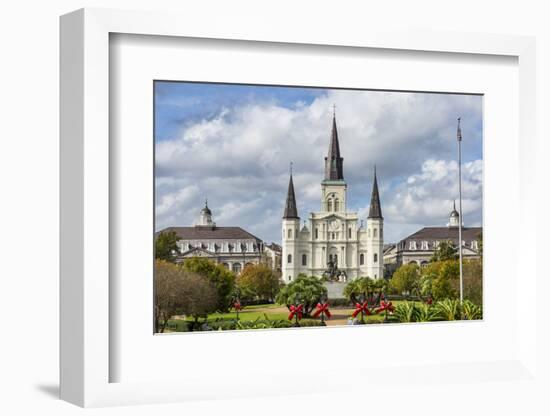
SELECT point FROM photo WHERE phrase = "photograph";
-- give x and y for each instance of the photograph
(284, 207)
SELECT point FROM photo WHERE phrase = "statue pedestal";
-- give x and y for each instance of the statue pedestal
(335, 290)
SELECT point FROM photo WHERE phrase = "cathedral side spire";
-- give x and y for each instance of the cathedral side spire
(375, 211)
(291, 210)
(334, 163)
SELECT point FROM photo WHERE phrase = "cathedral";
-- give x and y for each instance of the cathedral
(333, 235)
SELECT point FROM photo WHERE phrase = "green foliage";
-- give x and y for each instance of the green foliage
(471, 311)
(406, 279)
(445, 251)
(219, 276)
(308, 290)
(448, 309)
(358, 287)
(473, 281)
(426, 313)
(405, 312)
(166, 247)
(440, 279)
(259, 282)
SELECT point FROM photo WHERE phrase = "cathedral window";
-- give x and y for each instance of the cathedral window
(329, 205)
(336, 205)
(361, 259)
(316, 233)
(304, 260)
(375, 257)
(374, 233)
(349, 232)
(333, 236)
(289, 258)
(290, 233)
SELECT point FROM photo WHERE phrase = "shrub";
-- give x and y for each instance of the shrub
(448, 309)
(426, 313)
(308, 290)
(471, 311)
(405, 312)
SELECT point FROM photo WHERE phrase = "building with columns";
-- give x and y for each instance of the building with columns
(232, 247)
(420, 246)
(333, 233)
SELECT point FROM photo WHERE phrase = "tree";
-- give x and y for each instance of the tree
(473, 280)
(166, 245)
(259, 281)
(219, 276)
(445, 251)
(178, 291)
(406, 279)
(307, 290)
(440, 279)
(358, 287)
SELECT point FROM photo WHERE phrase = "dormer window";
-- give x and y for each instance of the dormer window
(412, 245)
(474, 245)
(425, 245)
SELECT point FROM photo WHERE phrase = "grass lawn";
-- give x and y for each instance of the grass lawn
(340, 315)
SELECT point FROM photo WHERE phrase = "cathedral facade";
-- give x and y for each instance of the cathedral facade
(333, 235)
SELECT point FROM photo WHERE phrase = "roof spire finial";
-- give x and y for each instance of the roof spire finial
(206, 201)
(291, 164)
(334, 110)
(458, 131)
(454, 204)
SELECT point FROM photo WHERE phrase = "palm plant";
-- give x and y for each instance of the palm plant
(448, 309)
(471, 311)
(405, 312)
(426, 313)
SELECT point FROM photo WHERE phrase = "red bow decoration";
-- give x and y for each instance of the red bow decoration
(322, 307)
(385, 306)
(295, 310)
(429, 301)
(237, 306)
(358, 308)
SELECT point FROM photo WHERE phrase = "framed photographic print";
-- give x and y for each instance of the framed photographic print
(292, 203)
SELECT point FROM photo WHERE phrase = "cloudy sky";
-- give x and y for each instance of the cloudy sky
(233, 144)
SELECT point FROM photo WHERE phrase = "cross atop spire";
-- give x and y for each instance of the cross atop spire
(334, 163)
(458, 131)
(375, 211)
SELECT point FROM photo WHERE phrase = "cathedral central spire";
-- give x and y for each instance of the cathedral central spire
(334, 163)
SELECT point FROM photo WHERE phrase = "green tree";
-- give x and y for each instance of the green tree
(166, 247)
(473, 280)
(309, 291)
(219, 276)
(357, 287)
(440, 279)
(178, 291)
(445, 251)
(405, 280)
(259, 281)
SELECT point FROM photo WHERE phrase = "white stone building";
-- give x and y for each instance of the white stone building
(333, 233)
(232, 247)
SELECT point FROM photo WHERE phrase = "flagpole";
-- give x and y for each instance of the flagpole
(459, 141)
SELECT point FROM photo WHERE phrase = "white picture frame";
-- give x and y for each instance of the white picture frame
(86, 356)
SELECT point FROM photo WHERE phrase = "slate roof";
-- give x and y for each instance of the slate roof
(375, 211)
(212, 233)
(444, 233)
(291, 211)
(334, 163)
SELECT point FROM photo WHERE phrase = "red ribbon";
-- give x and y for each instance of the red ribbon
(385, 306)
(322, 307)
(295, 310)
(358, 308)
(429, 301)
(237, 306)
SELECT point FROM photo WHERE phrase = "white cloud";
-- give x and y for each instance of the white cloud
(240, 159)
